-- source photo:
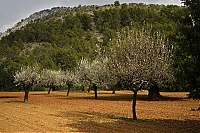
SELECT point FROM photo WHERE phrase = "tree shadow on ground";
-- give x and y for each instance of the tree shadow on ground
(121, 97)
(39, 93)
(120, 124)
(152, 126)
(7, 97)
(14, 101)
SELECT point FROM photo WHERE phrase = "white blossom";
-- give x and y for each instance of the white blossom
(27, 75)
(139, 56)
(52, 77)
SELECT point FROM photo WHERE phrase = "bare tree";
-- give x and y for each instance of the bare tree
(27, 77)
(139, 58)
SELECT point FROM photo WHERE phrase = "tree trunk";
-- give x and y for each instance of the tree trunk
(52, 87)
(89, 88)
(68, 90)
(113, 90)
(154, 93)
(26, 92)
(134, 105)
(49, 90)
(95, 90)
(83, 88)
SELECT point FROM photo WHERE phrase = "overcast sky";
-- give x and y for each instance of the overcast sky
(12, 11)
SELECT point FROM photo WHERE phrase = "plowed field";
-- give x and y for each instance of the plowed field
(80, 112)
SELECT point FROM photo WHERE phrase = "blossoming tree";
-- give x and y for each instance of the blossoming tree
(27, 77)
(139, 59)
(52, 78)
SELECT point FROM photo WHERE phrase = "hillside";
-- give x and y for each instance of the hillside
(59, 37)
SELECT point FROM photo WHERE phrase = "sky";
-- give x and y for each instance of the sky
(12, 11)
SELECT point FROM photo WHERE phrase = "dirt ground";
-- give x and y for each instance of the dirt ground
(80, 112)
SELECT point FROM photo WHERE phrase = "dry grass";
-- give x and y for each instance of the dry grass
(80, 112)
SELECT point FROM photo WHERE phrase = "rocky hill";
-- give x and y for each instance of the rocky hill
(33, 17)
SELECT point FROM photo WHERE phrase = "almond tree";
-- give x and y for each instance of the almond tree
(27, 77)
(52, 78)
(70, 78)
(93, 74)
(139, 58)
(83, 71)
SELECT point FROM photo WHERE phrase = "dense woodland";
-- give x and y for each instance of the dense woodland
(59, 40)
